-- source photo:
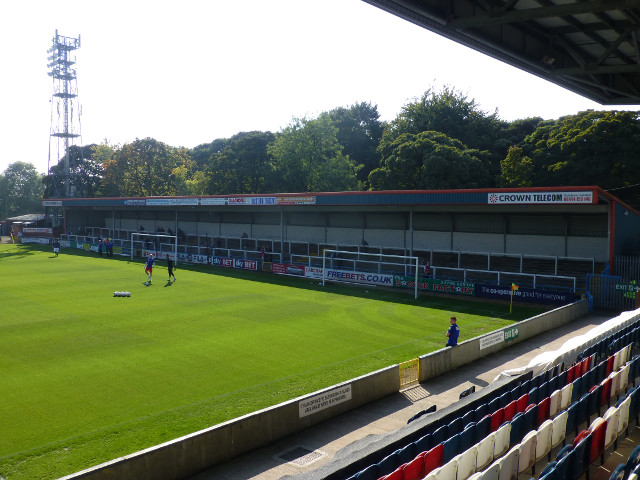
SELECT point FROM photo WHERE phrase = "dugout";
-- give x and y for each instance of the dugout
(584, 223)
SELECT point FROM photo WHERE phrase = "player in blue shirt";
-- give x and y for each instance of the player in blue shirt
(148, 269)
(453, 333)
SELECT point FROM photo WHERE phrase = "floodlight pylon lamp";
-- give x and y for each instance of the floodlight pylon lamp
(65, 118)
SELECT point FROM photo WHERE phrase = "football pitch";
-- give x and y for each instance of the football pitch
(87, 377)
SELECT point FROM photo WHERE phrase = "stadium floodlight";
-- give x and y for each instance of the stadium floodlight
(334, 261)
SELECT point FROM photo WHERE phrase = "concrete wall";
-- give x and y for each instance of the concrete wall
(270, 232)
(536, 245)
(235, 229)
(305, 234)
(424, 240)
(388, 238)
(442, 361)
(193, 453)
(344, 236)
(478, 242)
(588, 247)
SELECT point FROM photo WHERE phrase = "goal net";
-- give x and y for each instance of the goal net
(368, 268)
(159, 244)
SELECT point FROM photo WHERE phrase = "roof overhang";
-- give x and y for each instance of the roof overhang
(590, 47)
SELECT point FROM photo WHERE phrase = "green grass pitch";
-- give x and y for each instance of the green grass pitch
(86, 377)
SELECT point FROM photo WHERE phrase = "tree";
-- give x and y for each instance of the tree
(147, 167)
(201, 154)
(85, 172)
(589, 148)
(457, 117)
(306, 156)
(242, 165)
(517, 169)
(429, 160)
(21, 190)
(359, 133)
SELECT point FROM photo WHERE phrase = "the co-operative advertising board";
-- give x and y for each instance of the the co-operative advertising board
(523, 294)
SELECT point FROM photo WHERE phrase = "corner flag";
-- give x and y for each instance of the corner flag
(513, 287)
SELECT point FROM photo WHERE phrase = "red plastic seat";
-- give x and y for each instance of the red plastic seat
(584, 366)
(598, 430)
(433, 459)
(510, 410)
(523, 402)
(397, 474)
(497, 419)
(543, 410)
(581, 436)
(414, 470)
(605, 395)
(610, 363)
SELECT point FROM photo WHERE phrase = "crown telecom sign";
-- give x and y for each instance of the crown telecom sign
(518, 198)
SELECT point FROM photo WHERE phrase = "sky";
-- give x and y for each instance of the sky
(186, 73)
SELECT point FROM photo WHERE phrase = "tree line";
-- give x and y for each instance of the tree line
(442, 140)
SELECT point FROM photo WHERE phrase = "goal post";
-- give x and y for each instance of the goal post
(143, 238)
(334, 262)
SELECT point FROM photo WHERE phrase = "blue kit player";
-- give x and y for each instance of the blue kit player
(453, 333)
(148, 269)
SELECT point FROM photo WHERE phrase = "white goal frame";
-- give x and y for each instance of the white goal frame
(379, 256)
(157, 235)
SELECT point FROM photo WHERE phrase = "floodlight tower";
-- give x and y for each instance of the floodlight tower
(65, 111)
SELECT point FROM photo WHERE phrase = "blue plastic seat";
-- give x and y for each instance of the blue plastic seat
(578, 389)
(468, 437)
(581, 459)
(618, 473)
(549, 466)
(505, 399)
(388, 464)
(633, 461)
(493, 406)
(537, 380)
(483, 427)
(517, 429)
(562, 379)
(455, 426)
(573, 415)
(407, 453)
(372, 472)
(563, 452)
(593, 403)
(530, 419)
(533, 395)
(424, 443)
(469, 417)
(451, 448)
(481, 411)
(440, 434)
(544, 390)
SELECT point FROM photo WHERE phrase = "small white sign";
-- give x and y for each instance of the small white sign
(493, 339)
(324, 400)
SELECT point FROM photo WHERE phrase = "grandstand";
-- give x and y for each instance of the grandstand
(496, 237)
